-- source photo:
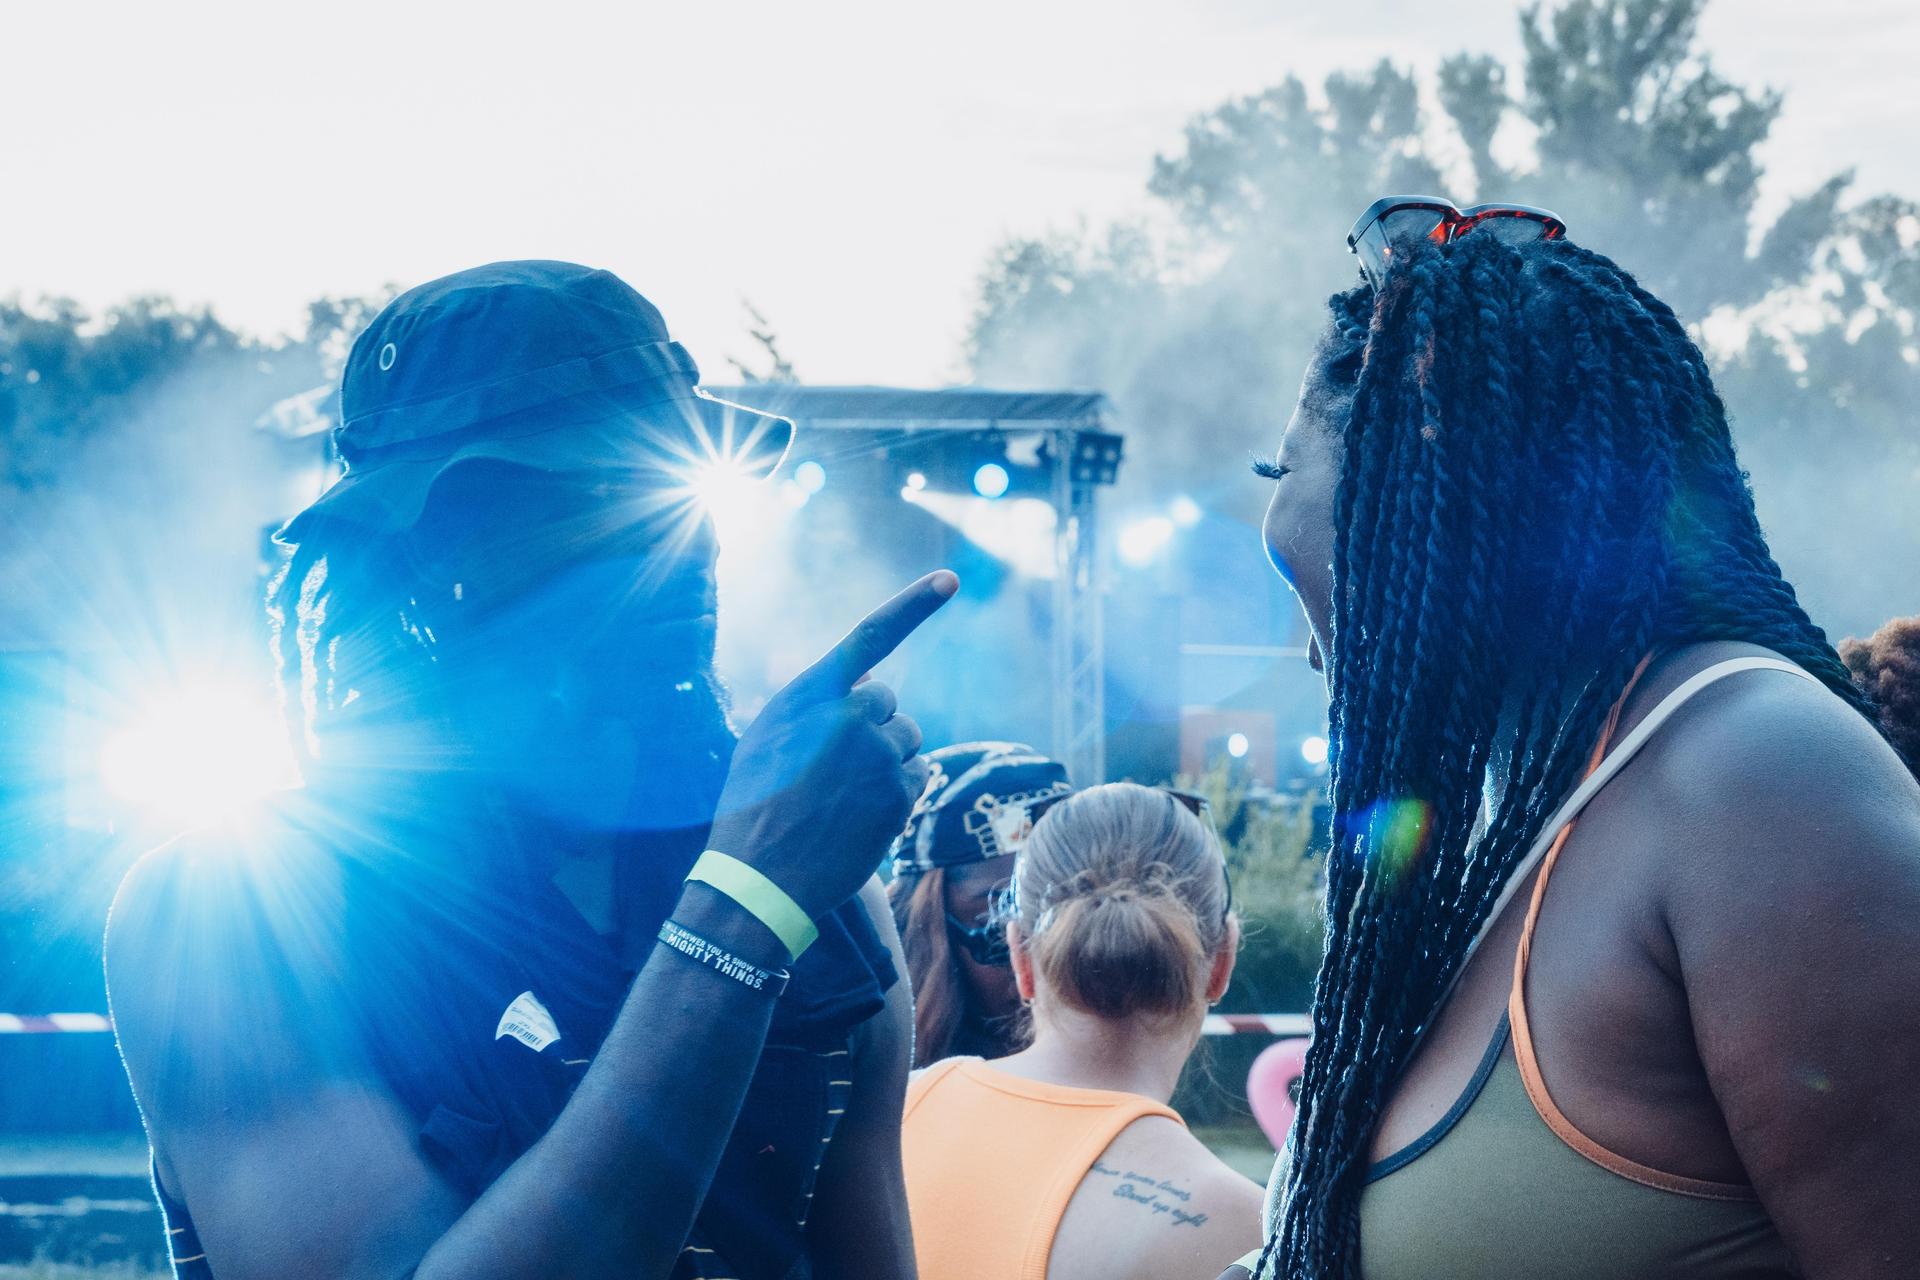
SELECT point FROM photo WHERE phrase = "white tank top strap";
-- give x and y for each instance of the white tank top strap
(1613, 762)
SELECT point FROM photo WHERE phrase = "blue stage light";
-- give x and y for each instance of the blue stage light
(991, 480)
(1142, 540)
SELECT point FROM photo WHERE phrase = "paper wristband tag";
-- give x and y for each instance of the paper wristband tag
(764, 900)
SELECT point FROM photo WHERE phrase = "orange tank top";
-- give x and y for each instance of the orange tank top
(992, 1160)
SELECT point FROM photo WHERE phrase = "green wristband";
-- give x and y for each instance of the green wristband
(764, 900)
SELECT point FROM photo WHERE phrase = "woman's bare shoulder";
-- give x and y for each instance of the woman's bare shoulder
(1157, 1203)
(1763, 770)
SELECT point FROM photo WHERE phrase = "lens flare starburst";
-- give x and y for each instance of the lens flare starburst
(198, 754)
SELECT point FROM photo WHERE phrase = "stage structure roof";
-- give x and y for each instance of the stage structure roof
(896, 408)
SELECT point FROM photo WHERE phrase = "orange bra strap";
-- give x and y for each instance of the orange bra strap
(1523, 1053)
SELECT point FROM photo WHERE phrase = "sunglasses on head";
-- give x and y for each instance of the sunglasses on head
(1392, 219)
(986, 941)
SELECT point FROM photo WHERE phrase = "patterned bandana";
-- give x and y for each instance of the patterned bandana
(976, 805)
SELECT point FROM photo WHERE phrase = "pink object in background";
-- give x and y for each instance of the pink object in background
(1273, 1086)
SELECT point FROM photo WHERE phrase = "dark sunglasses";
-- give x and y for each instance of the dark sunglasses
(1396, 218)
(986, 942)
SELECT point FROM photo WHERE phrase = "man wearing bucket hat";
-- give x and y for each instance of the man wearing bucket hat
(545, 364)
(949, 865)
(542, 973)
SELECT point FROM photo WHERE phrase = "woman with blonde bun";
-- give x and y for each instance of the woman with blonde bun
(1064, 1161)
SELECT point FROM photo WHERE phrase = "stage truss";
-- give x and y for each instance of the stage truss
(1064, 453)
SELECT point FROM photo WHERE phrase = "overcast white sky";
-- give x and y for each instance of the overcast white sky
(847, 166)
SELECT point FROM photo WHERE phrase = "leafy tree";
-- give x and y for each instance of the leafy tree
(1198, 318)
(1640, 134)
(64, 382)
(69, 382)
(777, 367)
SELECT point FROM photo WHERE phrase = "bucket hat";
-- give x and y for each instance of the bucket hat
(548, 365)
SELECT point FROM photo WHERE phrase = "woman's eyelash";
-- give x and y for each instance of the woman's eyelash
(1269, 468)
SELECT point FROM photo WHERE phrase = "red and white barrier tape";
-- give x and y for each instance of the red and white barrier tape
(17, 1023)
(1217, 1024)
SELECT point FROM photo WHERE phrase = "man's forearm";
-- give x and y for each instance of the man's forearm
(614, 1186)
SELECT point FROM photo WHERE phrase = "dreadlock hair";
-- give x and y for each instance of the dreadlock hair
(1538, 489)
(351, 648)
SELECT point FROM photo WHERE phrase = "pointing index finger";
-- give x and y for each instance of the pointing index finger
(876, 636)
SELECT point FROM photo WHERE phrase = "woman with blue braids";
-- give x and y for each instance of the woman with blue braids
(1681, 1038)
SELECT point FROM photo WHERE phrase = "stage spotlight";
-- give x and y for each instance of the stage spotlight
(1314, 750)
(916, 480)
(199, 755)
(1142, 540)
(1237, 745)
(991, 480)
(1096, 457)
(1184, 511)
(810, 476)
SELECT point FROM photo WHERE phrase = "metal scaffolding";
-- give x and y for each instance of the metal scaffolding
(1075, 455)
(1078, 624)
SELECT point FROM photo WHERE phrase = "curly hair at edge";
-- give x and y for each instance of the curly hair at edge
(1887, 665)
(1538, 489)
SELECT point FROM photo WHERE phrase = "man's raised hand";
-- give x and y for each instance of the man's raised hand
(825, 776)
(873, 640)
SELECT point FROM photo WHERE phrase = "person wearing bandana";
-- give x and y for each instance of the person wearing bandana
(949, 865)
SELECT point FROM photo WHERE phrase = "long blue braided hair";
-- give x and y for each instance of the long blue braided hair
(1538, 488)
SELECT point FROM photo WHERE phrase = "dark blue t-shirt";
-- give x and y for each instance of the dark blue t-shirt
(481, 996)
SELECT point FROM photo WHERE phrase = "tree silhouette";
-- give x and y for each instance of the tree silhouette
(1198, 317)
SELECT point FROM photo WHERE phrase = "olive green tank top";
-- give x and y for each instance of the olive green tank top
(1504, 1187)
(1491, 1193)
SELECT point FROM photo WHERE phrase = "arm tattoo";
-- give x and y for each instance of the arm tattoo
(1162, 1197)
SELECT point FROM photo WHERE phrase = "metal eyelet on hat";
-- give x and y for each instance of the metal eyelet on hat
(387, 354)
